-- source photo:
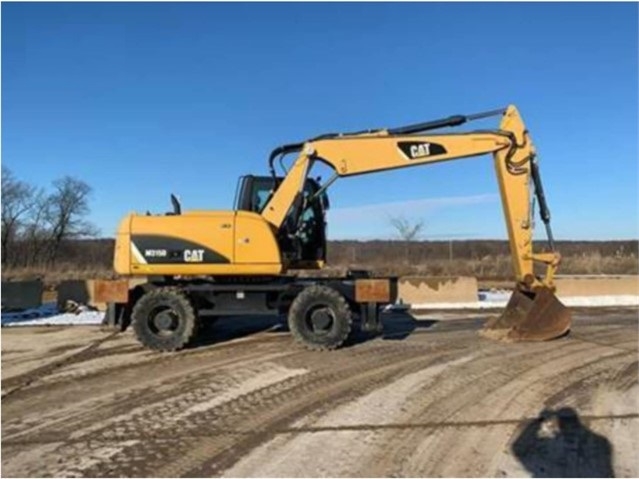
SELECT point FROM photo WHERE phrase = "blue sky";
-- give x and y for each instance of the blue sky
(145, 99)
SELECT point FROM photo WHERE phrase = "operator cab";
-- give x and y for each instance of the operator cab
(302, 236)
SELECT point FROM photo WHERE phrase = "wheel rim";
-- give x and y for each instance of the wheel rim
(163, 321)
(320, 319)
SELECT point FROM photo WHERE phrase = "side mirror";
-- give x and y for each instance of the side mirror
(177, 209)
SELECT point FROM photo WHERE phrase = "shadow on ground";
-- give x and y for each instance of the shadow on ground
(228, 328)
(558, 444)
(397, 327)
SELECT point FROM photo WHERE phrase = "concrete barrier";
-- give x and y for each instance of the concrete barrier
(570, 286)
(79, 291)
(422, 289)
(18, 295)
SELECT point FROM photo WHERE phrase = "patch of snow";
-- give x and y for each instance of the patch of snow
(460, 305)
(49, 315)
(606, 300)
(497, 302)
(495, 295)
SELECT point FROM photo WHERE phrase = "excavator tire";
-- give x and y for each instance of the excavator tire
(164, 319)
(319, 318)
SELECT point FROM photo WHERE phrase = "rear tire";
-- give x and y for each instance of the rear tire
(319, 318)
(164, 319)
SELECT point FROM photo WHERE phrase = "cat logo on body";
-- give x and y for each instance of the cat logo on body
(193, 255)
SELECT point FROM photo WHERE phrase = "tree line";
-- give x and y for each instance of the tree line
(48, 230)
(93, 258)
(38, 223)
(423, 251)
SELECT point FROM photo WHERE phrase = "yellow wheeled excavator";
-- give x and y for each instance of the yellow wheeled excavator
(203, 264)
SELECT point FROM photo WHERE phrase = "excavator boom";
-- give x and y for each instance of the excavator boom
(534, 312)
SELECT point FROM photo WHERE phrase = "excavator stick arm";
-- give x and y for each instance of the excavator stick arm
(515, 166)
(381, 150)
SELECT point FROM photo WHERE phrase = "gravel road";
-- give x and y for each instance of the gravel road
(430, 398)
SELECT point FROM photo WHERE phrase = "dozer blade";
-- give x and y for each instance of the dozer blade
(538, 316)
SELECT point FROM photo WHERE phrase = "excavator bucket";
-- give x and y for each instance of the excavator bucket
(529, 316)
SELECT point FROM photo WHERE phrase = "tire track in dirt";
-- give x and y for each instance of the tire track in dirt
(263, 406)
(450, 397)
(226, 415)
(523, 393)
(587, 418)
(523, 398)
(145, 357)
(64, 424)
(69, 451)
(451, 357)
(16, 383)
(451, 394)
(278, 399)
(103, 407)
(326, 389)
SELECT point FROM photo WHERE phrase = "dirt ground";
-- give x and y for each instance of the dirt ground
(430, 398)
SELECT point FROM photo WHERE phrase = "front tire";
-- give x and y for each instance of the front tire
(164, 319)
(319, 318)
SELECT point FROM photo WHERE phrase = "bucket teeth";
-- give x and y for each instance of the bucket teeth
(530, 316)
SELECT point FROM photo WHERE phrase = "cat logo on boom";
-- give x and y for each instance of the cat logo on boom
(193, 255)
(420, 149)
(414, 150)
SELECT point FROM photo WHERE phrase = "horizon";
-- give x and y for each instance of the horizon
(141, 100)
(424, 240)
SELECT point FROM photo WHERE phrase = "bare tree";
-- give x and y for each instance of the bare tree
(35, 234)
(408, 231)
(65, 213)
(17, 201)
(35, 224)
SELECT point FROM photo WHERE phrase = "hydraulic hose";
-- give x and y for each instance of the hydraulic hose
(454, 120)
(544, 211)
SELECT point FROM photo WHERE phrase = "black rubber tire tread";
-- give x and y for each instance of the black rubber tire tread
(180, 303)
(313, 295)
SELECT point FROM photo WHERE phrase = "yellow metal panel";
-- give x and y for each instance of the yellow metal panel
(358, 155)
(213, 231)
(514, 186)
(206, 269)
(122, 257)
(205, 213)
(276, 209)
(254, 240)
